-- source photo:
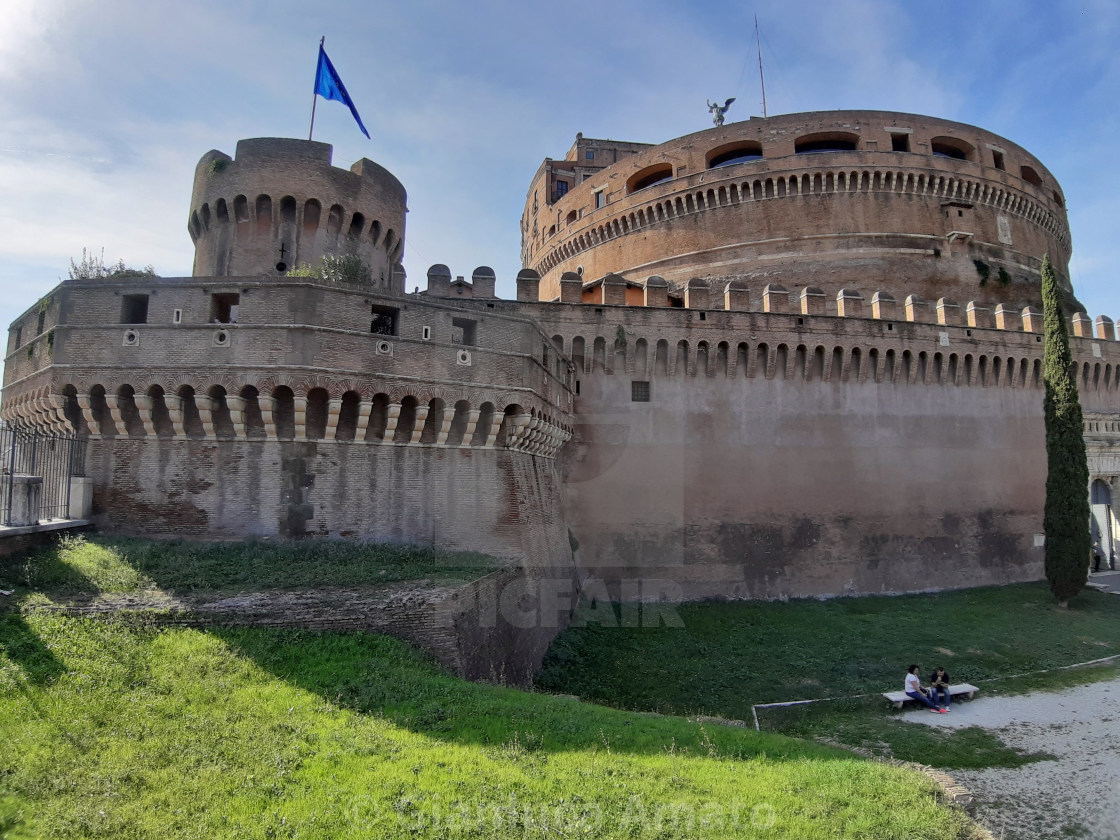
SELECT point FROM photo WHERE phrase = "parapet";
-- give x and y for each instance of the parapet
(440, 284)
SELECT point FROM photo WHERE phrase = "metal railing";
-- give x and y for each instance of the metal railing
(55, 458)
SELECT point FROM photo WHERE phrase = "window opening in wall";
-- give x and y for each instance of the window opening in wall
(577, 387)
(945, 150)
(997, 159)
(639, 392)
(589, 155)
(900, 142)
(561, 190)
(19, 336)
(600, 199)
(223, 307)
(809, 147)
(134, 309)
(649, 176)
(176, 316)
(42, 322)
(890, 327)
(384, 320)
(463, 331)
(703, 316)
(740, 154)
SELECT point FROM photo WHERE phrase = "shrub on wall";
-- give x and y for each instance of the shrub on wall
(92, 267)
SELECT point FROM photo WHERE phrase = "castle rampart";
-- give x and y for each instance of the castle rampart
(803, 357)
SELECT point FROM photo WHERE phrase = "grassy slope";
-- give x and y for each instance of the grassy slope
(120, 564)
(730, 655)
(114, 730)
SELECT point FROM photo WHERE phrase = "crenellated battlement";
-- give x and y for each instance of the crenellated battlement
(279, 203)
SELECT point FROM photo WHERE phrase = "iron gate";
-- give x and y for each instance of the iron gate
(52, 456)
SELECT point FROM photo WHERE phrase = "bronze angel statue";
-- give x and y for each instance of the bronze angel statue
(717, 111)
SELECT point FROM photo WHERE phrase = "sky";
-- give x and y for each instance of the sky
(107, 105)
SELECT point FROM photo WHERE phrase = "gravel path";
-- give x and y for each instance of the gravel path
(1075, 795)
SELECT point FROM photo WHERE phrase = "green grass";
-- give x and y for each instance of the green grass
(110, 729)
(728, 656)
(98, 564)
(863, 724)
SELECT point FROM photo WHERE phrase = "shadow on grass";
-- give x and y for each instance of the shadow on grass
(378, 675)
(100, 563)
(19, 642)
(730, 655)
(26, 650)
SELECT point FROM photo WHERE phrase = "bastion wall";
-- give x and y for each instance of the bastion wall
(769, 455)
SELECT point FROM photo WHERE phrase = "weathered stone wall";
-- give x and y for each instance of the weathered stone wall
(783, 455)
(496, 501)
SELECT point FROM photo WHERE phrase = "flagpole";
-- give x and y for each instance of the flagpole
(315, 95)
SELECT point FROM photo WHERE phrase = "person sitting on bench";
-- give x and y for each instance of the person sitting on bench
(913, 689)
(938, 685)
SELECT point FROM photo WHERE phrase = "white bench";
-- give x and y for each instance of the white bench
(964, 690)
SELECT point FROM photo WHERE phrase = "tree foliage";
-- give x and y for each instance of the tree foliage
(343, 268)
(92, 267)
(1066, 519)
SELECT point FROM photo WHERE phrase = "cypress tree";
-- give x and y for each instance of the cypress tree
(1066, 519)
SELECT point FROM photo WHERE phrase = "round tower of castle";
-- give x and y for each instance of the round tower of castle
(279, 203)
(857, 200)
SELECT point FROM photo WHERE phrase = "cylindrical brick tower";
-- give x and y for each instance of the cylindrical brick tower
(279, 203)
(856, 200)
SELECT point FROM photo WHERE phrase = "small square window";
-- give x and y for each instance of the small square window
(384, 320)
(639, 392)
(589, 154)
(997, 159)
(900, 142)
(600, 199)
(463, 331)
(223, 308)
(134, 309)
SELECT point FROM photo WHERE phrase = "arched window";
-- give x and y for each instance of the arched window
(649, 176)
(1030, 176)
(951, 147)
(734, 153)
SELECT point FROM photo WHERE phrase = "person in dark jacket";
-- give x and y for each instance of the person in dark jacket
(938, 685)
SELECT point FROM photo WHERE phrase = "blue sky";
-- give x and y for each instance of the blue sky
(107, 105)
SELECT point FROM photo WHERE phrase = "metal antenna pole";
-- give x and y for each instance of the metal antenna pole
(758, 44)
(315, 95)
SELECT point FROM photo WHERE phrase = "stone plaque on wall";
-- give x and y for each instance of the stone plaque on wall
(1004, 227)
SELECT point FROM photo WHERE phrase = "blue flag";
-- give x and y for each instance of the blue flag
(329, 86)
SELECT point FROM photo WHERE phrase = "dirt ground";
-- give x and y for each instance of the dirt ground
(1076, 794)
